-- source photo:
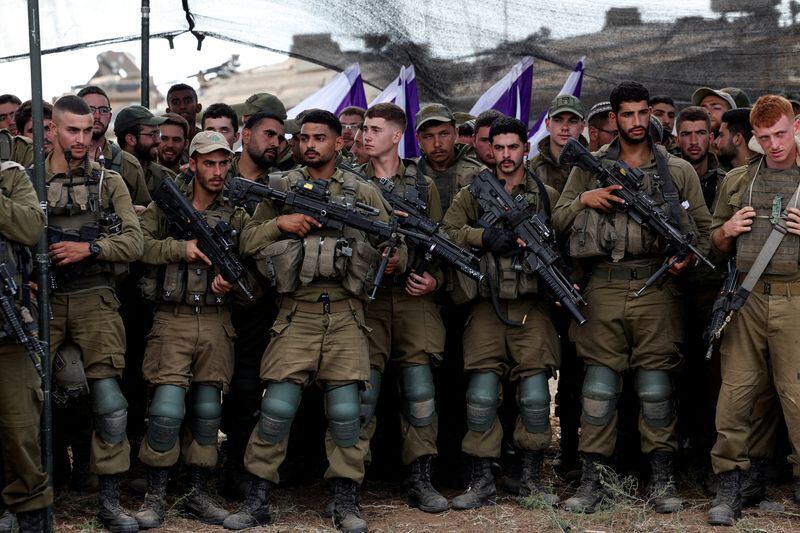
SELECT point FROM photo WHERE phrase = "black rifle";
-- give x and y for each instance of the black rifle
(638, 204)
(216, 244)
(14, 323)
(540, 254)
(728, 300)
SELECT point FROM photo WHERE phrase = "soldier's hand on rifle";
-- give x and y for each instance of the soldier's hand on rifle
(602, 199)
(297, 223)
(417, 285)
(499, 241)
(219, 286)
(67, 252)
(394, 261)
(793, 220)
(740, 222)
(677, 268)
(193, 253)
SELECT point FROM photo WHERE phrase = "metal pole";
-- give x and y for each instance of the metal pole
(41, 261)
(146, 53)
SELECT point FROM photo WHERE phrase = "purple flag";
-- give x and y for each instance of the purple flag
(511, 95)
(403, 93)
(345, 89)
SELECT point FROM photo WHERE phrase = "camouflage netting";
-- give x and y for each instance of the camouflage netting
(460, 48)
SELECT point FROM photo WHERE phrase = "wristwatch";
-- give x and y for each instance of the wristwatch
(94, 249)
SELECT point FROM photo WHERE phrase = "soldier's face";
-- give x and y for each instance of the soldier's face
(716, 107)
(73, 132)
(173, 143)
(483, 146)
(224, 127)
(380, 137)
(7, 117)
(185, 104)
(350, 125)
(263, 141)
(778, 141)
(563, 127)
(437, 141)
(210, 170)
(633, 121)
(509, 152)
(147, 143)
(725, 142)
(358, 148)
(101, 114)
(49, 134)
(319, 144)
(666, 114)
(694, 140)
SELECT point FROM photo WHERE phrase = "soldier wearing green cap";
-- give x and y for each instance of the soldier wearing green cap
(137, 132)
(715, 102)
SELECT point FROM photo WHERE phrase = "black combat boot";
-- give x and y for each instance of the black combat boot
(6, 521)
(31, 521)
(531, 480)
(754, 488)
(481, 489)
(663, 497)
(421, 493)
(347, 506)
(111, 514)
(728, 503)
(199, 504)
(590, 492)
(255, 511)
(152, 512)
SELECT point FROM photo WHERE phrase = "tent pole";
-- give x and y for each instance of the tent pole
(145, 53)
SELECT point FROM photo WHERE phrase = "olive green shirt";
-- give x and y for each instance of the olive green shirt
(459, 174)
(546, 167)
(154, 174)
(21, 217)
(131, 171)
(20, 148)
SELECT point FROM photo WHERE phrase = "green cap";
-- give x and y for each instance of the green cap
(702, 92)
(434, 112)
(206, 142)
(268, 103)
(291, 126)
(566, 103)
(739, 96)
(462, 117)
(135, 115)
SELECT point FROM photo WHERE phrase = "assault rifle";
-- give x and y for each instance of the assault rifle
(216, 243)
(540, 255)
(728, 300)
(638, 204)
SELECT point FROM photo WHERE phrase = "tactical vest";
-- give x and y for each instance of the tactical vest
(17, 260)
(326, 256)
(768, 192)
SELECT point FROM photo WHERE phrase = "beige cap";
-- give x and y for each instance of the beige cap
(702, 92)
(206, 142)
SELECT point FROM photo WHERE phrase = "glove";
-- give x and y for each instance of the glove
(499, 241)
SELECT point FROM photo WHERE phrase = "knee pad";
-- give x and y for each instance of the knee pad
(206, 414)
(601, 388)
(369, 397)
(343, 409)
(419, 394)
(278, 408)
(110, 410)
(533, 396)
(483, 395)
(654, 388)
(165, 416)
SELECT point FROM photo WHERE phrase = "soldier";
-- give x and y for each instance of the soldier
(760, 342)
(352, 119)
(222, 119)
(483, 146)
(190, 347)
(24, 122)
(137, 131)
(443, 159)
(24, 485)
(739, 96)
(491, 349)
(320, 332)
(114, 158)
(466, 132)
(602, 130)
(261, 140)
(404, 318)
(94, 233)
(260, 102)
(733, 140)
(174, 141)
(8, 108)
(624, 332)
(182, 99)
(694, 141)
(715, 103)
(663, 108)
(361, 156)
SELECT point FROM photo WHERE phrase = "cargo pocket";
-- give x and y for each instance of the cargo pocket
(361, 269)
(280, 264)
(226, 363)
(281, 324)
(592, 235)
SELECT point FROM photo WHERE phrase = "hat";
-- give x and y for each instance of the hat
(566, 103)
(462, 117)
(135, 115)
(291, 126)
(434, 112)
(206, 142)
(598, 109)
(702, 92)
(739, 96)
(265, 102)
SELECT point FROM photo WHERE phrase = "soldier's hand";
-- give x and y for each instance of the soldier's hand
(193, 253)
(602, 199)
(139, 209)
(394, 261)
(417, 285)
(793, 220)
(66, 252)
(740, 222)
(677, 268)
(219, 286)
(297, 223)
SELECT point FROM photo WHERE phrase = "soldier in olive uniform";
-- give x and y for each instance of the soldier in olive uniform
(625, 332)
(760, 342)
(492, 349)
(93, 233)
(320, 332)
(24, 481)
(137, 131)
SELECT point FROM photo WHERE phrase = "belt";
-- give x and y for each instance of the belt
(777, 288)
(186, 309)
(623, 273)
(322, 307)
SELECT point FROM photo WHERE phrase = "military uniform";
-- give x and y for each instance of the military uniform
(459, 174)
(547, 168)
(154, 174)
(15, 148)
(126, 165)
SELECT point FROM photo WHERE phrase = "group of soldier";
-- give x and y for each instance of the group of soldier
(205, 353)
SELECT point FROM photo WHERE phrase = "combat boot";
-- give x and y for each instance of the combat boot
(6, 521)
(111, 514)
(347, 506)
(754, 488)
(421, 493)
(31, 521)
(152, 512)
(590, 492)
(255, 511)
(663, 496)
(481, 489)
(531, 481)
(728, 503)
(199, 504)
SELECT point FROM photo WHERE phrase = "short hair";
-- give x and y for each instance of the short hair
(738, 121)
(353, 110)
(661, 99)
(467, 129)
(768, 110)
(255, 119)
(221, 111)
(628, 91)
(93, 89)
(389, 112)
(693, 113)
(320, 116)
(181, 87)
(599, 119)
(174, 119)
(508, 125)
(72, 104)
(487, 118)
(9, 99)
(25, 113)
